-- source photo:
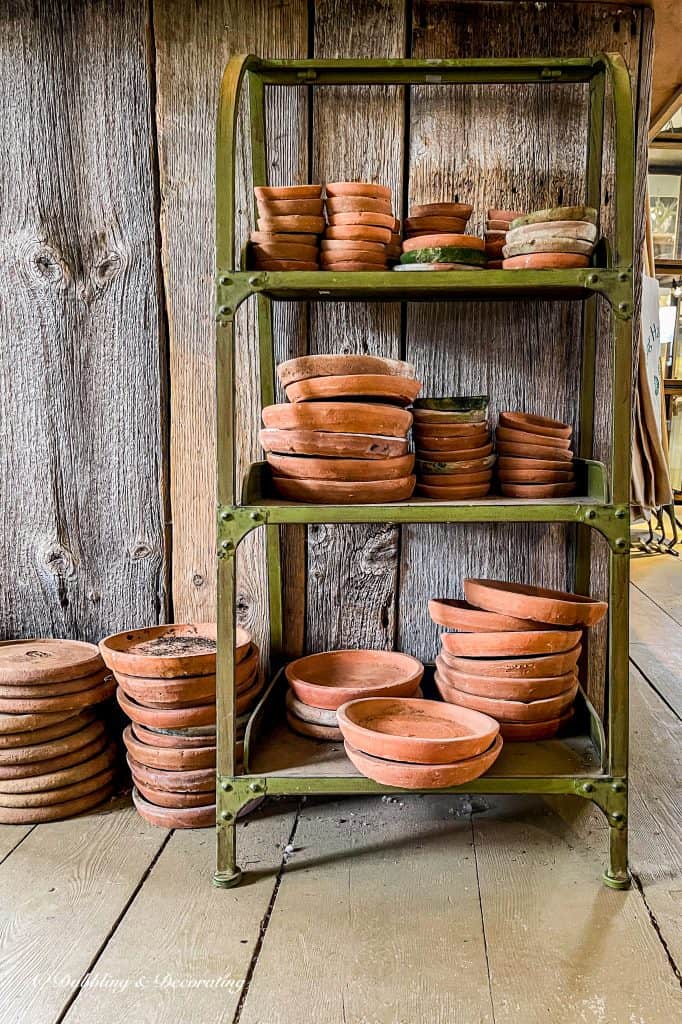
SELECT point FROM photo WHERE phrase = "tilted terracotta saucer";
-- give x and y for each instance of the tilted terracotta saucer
(508, 710)
(173, 739)
(12, 773)
(38, 662)
(270, 192)
(332, 678)
(467, 618)
(530, 732)
(419, 731)
(331, 492)
(389, 388)
(310, 468)
(47, 689)
(168, 718)
(346, 417)
(533, 667)
(172, 758)
(525, 437)
(56, 797)
(31, 737)
(461, 210)
(67, 702)
(358, 188)
(336, 445)
(177, 817)
(546, 261)
(512, 490)
(407, 775)
(535, 424)
(56, 747)
(503, 687)
(504, 215)
(510, 643)
(166, 652)
(461, 493)
(313, 730)
(56, 812)
(532, 451)
(556, 607)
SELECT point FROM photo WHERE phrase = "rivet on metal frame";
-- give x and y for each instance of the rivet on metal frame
(618, 787)
(588, 788)
(256, 787)
(227, 545)
(226, 816)
(621, 542)
(226, 517)
(226, 787)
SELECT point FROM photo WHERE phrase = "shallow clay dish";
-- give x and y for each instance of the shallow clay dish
(557, 607)
(183, 692)
(554, 230)
(503, 687)
(286, 207)
(13, 774)
(435, 224)
(461, 493)
(341, 469)
(313, 730)
(546, 261)
(526, 437)
(446, 239)
(379, 218)
(510, 643)
(389, 388)
(359, 232)
(443, 442)
(468, 619)
(587, 213)
(358, 188)
(508, 710)
(349, 245)
(166, 718)
(49, 689)
(31, 737)
(461, 210)
(306, 713)
(535, 424)
(56, 812)
(174, 739)
(166, 652)
(164, 798)
(432, 467)
(329, 259)
(69, 701)
(511, 462)
(456, 454)
(419, 731)
(11, 724)
(546, 244)
(265, 252)
(54, 797)
(511, 490)
(351, 266)
(330, 492)
(199, 780)
(263, 264)
(356, 204)
(436, 417)
(535, 476)
(467, 433)
(406, 775)
(286, 238)
(177, 817)
(332, 678)
(337, 444)
(504, 215)
(35, 662)
(533, 667)
(346, 417)
(481, 476)
(56, 778)
(288, 192)
(529, 732)
(532, 451)
(171, 758)
(299, 223)
(34, 752)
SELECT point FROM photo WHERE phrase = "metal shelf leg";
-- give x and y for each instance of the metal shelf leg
(617, 875)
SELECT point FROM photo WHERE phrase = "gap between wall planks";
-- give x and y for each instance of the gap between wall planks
(82, 471)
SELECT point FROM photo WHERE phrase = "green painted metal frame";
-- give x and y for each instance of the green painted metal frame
(606, 513)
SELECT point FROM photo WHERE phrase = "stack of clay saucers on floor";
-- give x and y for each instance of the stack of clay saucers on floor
(342, 436)
(558, 239)
(515, 656)
(362, 232)
(290, 222)
(535, 458)
(435, 239)
(166, 680)
(496, 228)
(320, 683)
(453, 446)
(56, 759)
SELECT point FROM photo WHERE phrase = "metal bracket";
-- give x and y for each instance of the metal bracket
(231, 291)
(613, 522)
(610, 796)
(234, 523)
(235, 793)
(616, 287)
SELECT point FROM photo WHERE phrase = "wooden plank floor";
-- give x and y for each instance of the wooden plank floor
(370, 911)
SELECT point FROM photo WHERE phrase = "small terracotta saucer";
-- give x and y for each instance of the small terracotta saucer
(493, 224)
(447, 239)
(286, 207)
(313, 730)
(415, 226)
(165, 652)
(532, 667)
(99, 760)
(310, 468)
(35, 752)
(525, 437)
(332, 678)
(514, 463)
(340, 492)
(331, 245)
(456, 479)
(461, 210)
(301, 224)
(466, 433)
(15, 775)
(379, 218)
(352, 266)
(528, 732)
(510, 643)
(436, 417)
(171, 758)
(455, 454)
(55, 797)
(185, 692)
(36, 662)
(432, 467)
(552, 231)
(344, 417)
(587, 213)
(269, 192)
(304, 367)
(167, 738)
(468, 619)
(10, 691)
(168, 718)
(406, 775)
(504, 215)
(462, 493)
(306, 713)
(190, 781)
(508, 710)
(535, 476)
(511, 490)
(359, 232)
(535, 424)
(163, 798)
(283, 265)
(353, 256)
(557, 607)
(338, 444)
(388, 388)
(357, 204)
(177, 817)
(31, 737)
(494, 247)
(68, 701)
(284, 238)
(419, 731)
(55, 812)
(358, 188)
(531, 451)
(283, 251)
(502, 687)
(546, 261)
(545, 244)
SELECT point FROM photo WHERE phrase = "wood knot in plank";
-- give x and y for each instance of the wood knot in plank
(45, 263)
(58, 560)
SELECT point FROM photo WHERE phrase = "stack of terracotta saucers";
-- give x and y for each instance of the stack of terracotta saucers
(435, 239)
(321, 683)
(453, 446)
(535, 456)
(418, 744)
(343, 437)
(290, 222)
(56, 759)
(496, 228)
(516, 654)
(556, 239)
(166, 679)
(362, 232)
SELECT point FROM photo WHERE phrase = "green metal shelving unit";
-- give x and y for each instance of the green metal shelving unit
(277, 763)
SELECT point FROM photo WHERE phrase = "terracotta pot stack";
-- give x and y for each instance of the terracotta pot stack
(515, 654)
(535, 456)
(496, 227)
(320, 683)
(561, 238)
(418, 744)
(435, 239)
(454, 447)
(342, 438)
(290, 223)
(56, 759)
(166, 686)
(362, 233)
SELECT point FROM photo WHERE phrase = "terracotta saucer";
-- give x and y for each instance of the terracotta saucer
(557, 607)
(353, 255)
(535, 424)
(306, 713)
(265, 252)
(204, 714)
(510, 643)
(339, 492)
(418, 731)
(445, 256)
(546, 244)
(178, 817)
(37, 662)
(55, 797)
(436, 417)
(248, 698)
(16, 774)
(511, 490)
(175, 739)
(199, 780)
(530, 451)
(456, 454)
(166, 652)
(431, 467)
(443, 239)
(359, 232)
(508, 710)
(468, 619)
(303, 224)
(510, 462)
(336, 444)
(329, 679)
(171, 758)
(405, 775)
(371, 211)
(546, 261)
(401, 390)
(462, 493)
(502, 687)
(587, 213)
(185, 692)
(313, 730)
(432, 225)
(497, 224)
(331, 245)
(481, 476)
(554, 231)
(304, 367)
(284, 238)
(269, 192)
(68, 809)
(515, 732)
(525, 437)
(284, 265)
(467, 433)
(69, 701)
(12, 724)
(163, 798)
(351, 266)
(309, 468)
(505, 215)
(65, 744)
(31, 737)
(286, 207)
(358, 188)
(532, 667)
(461, 210)
(58, 779)
(344, 417)
(535, 476)
(10, 691)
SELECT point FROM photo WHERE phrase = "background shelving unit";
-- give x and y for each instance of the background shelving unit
(584, 763)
